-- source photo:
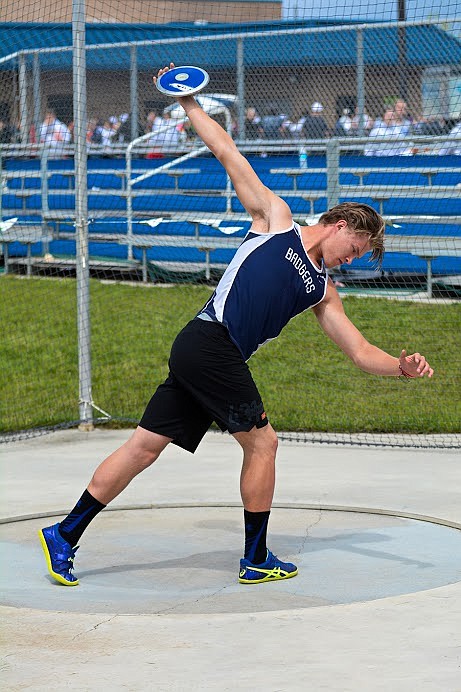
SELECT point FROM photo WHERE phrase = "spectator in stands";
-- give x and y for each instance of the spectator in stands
(343, 124)
(387, 128)
(401, 120)
(355, 123)
(314, 125)
(124, 130)
(272, 124)
(90, 129)
(402, 128)
(253, 126)
(172, 138)
(454, 146)
(433, 126)
(54, 134)
(105, 134)
(153, 122)
(6, 134)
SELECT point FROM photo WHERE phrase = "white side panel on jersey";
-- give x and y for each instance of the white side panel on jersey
(227, 280)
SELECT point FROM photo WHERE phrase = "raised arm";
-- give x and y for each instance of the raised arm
(268, 211)
(335, 323)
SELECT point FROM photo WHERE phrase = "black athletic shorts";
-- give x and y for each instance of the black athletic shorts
(208, 381)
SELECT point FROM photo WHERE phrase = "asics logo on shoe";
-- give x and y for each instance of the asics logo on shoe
(272, 569)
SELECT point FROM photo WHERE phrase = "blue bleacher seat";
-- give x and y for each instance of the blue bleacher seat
(406, 262)
(209, 232)
(312, 181)
(425, 229)
(97, 249)
(172, 203)
(443, 178)
(162, 181)
(188, 254)
(115, 224)
(203, 181)
(423, 206)
(26, 183)
(57, 201)
(57, 181)
(62, 247)
(104, 181)
(182, 228)
(394, 178)
(11, 202)
(278, 181)
(171, 254)
(106, 202)
(446, 265)
(20, 249)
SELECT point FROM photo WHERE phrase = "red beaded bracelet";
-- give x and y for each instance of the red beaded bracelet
(405, 374)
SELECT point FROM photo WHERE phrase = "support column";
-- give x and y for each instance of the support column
(23, 112)
(37, 95)
(81, 215)
(360, 82)
(134, 104)
(332, 172)
(240, 89)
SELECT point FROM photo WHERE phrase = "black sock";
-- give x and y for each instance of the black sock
(72, 527)
(255, 536)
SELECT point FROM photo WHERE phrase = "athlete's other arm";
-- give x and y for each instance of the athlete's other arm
(335, 323)
(267, 210)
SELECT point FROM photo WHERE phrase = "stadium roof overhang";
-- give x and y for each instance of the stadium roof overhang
(265, 44)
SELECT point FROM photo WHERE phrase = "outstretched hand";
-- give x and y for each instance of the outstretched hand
(162, 71)
(415, 365)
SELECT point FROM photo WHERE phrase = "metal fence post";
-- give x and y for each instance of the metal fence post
(81, 215)
(37, 95)
(241, 89)
(360, 82)
(134, 107)
(333, 172)
(23, 112)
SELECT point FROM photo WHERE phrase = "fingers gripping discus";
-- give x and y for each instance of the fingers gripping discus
(183, 81)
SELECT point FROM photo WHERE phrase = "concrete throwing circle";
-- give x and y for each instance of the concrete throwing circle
(186, 559)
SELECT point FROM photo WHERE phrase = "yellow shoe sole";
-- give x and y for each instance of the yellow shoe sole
(268, 577)
(58, 577)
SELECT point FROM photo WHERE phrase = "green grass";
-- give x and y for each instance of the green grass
(305, 380)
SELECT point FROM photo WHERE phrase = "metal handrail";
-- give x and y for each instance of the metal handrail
(161, 169)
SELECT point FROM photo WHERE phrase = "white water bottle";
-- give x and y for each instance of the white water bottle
(302, 157)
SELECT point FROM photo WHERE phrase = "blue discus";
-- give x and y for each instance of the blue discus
(183, 81)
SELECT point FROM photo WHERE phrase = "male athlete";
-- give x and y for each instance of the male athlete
(279, 270)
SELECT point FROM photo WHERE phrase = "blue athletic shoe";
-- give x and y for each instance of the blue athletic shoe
(59, 555)
(271, 570)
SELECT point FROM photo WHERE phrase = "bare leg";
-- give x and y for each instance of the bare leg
(118, 470)
(257, 480)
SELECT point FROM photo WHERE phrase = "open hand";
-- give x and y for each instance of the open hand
(162, 71)
(415, 365)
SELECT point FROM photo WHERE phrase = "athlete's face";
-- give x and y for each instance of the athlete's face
(343, 246)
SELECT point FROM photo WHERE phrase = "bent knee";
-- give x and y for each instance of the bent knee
(272, 441)
(262, 441)
(145, 447)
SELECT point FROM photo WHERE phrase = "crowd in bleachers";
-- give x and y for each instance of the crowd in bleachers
(170, 136)
(395, 124)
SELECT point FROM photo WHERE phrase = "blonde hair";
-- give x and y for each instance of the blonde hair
(361, 219)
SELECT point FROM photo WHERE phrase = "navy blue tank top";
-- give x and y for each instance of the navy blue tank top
(270, 280)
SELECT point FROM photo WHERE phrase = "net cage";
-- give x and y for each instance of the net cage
(116, 222)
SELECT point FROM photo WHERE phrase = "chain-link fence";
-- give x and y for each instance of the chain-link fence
(102, 178)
